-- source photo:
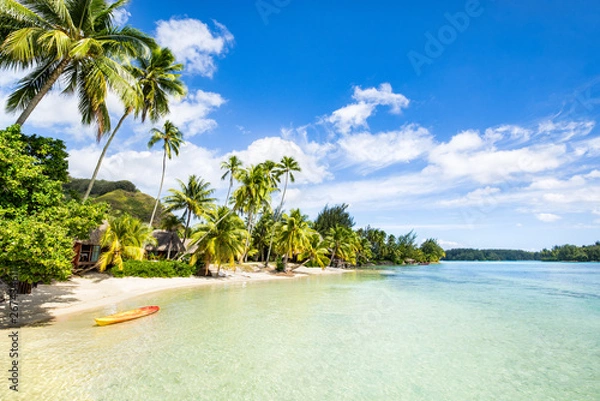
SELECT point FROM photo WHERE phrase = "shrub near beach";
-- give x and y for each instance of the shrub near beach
(148, 268)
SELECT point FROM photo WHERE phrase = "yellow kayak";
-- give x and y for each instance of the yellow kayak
(125, 316)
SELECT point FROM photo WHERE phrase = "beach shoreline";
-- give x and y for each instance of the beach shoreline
(48, 304)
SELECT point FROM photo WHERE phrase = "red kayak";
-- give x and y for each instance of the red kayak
(125, 316)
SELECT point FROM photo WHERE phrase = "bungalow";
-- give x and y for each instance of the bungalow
(87, 252)
(168, 244)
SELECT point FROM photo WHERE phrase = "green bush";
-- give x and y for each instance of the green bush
(149, 268)
(280, 266)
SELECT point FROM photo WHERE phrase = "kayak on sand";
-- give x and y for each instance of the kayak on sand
(125, 316)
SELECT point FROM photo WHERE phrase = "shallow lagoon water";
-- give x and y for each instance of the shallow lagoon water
(454, 331)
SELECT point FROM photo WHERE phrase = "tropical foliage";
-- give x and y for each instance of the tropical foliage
(155, 79)
(37, 224)
(220, 240)
(194, 198)
(152, 268)
(77, 41)
(124, 238)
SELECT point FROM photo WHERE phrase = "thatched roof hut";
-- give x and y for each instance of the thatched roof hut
(168, 244)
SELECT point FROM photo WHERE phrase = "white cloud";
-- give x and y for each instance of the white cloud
(449, 244)
(355, 115)
(481, 197)
(194, 44)
(190, 113)
(547, 217)
(383, 96)
(513, 132)
(565, 130)
(121, 16)
(375, 151)
(466, 155)
(144, 167)
(274, 148)
(351, 116)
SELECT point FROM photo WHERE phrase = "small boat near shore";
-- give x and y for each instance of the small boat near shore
(126, 316)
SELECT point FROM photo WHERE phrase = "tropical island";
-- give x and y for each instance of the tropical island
(54, 225)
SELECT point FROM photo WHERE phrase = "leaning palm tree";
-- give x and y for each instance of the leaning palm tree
(73, 39)
(155, 79)
(253, 194)
(231, 167)
(125, 237)
(220, 239)
(172, 139)
(293, 235)
(286, 167)
(194, 198)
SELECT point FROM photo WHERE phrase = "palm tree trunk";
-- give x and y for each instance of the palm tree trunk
(101, 158)
(187, 225)
(332, 256)
(170, 246)
(47, 86)
(162, 180)
(277, 220)
(229, 190)
(250, 216)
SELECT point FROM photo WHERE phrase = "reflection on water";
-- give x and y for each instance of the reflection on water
(455, 331)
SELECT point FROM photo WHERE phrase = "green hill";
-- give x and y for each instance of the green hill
(76, 187)
(137, 204)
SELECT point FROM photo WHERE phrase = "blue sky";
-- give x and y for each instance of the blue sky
(473, 122)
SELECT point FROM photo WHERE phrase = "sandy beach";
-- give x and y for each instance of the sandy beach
(48, 303)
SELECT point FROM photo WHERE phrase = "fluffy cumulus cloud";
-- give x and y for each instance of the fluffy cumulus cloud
(355, 115)
(190, 114)
(194, 43)
(374, 151)
(467, 155)
(310, 159)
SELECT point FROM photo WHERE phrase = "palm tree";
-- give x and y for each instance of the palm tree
(293, 235)
(286, 167)
(194, 198)
(220, 239)
(317, 250)
(339, 239)
(125, 237)
(231, 167)
(156, 78)
(73, 39)
(254, 193)
(172, 139)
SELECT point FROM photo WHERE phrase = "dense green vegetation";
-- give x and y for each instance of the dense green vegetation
(37, 224)
(468, 254)
(559, 253)
(154, 268)
(136, 204)
(78, 186)
(572, 253)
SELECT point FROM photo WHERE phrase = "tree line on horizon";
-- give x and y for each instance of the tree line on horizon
(558, 253)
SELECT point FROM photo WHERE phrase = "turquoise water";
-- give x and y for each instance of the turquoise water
(454, 331)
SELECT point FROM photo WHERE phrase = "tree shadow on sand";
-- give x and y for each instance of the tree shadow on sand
(35, 309)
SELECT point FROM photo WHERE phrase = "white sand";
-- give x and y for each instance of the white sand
(48, 302)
